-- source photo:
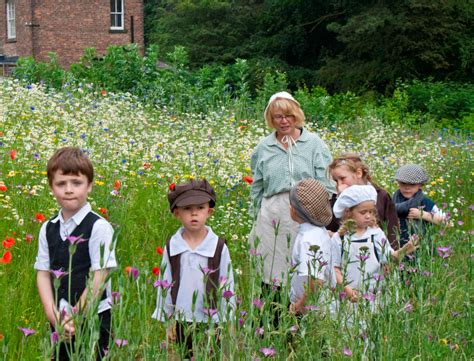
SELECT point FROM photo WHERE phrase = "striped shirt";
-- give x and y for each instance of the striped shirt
(276, 169)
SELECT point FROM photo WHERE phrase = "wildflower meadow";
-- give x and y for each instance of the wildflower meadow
(138, 149)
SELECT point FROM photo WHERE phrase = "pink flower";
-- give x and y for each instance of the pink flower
(209, 311)
(268, 352)
(58, 273)
(121, 342)
(408, 307)
(259, 331)
(75, 240)
(27, 331)
(227, 294)
(54, 337)
(444, 252)
(347, 352)
(163, 284)
(257, 303)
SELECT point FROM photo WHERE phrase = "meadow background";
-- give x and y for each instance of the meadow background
(146, 129)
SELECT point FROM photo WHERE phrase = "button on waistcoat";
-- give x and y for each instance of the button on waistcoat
(81, 261)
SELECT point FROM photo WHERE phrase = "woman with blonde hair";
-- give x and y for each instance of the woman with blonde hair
(288, 155)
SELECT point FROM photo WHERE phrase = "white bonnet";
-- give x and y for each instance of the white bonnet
(353, 196)
(282, 95)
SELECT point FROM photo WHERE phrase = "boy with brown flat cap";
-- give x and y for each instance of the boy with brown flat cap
(196, 264)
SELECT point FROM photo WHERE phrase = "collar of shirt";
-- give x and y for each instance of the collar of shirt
(76, 218)
(272, 139)
(207, 248)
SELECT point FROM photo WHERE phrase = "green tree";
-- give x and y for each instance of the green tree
(401, 40)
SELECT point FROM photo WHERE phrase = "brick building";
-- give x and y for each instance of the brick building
(67, 27)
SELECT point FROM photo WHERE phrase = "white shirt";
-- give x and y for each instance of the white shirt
(192, 280)
(349, 259)
(101, 235)
(309, 263)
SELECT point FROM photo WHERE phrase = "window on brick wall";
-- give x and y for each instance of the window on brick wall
(116, 14)
(11, 26)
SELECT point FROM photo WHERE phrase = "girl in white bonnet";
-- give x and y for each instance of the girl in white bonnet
(360, 247)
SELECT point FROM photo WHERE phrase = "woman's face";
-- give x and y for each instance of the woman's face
(344, 177)
(284, 123)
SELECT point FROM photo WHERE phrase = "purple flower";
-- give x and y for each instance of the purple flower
(222, 280)
(363, 257)
(209, 311)
(207, 270)
(444, 252)
(293, 329)
(379, 277)
(121, 342)
(241, 321)
(471, 207)
(408, 307)
(311, 308)
(58, 273)
(163, 284)
(259, 331)
(268, 352)
(460, 223)
(227, 294)
(27, 331)
(254, 252)
(369, 296)
(257, 303)
(115, 297)
(54, 337)
(342, 295)
(75, 240)
(347, 352)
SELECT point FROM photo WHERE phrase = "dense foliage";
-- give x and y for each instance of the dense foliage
(176, 85)
(139, 148)
(341, 45)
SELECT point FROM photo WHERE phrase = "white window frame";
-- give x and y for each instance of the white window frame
(117, 13)
(11, 21)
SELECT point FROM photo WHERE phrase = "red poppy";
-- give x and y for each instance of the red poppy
(103, 211)
(117, 185)
(146, 165)
(28, 238)
(9, 242)
(128, 269)
(7, 258)
(248, 179)
(40, 218)
(3, 187)
(243, 127)
(13, 154)
(156, 271)
(103, 92)
(159, 250)
(171, 187)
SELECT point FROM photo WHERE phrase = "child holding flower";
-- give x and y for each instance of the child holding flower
(196, 265)
(360, 248)
(72, 244)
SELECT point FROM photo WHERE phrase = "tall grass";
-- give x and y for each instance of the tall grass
(139, 149)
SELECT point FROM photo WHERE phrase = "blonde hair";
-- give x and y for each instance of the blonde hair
(284, 106)
(352, 162)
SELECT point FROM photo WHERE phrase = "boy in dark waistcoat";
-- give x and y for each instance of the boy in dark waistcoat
(70, 175)
(197, 284)
(414, 209)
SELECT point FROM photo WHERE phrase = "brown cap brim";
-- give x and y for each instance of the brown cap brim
(192, 197)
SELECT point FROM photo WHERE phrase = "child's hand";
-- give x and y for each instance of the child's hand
(351, 293)
(297, 308)
(69, 328)
(171, 333)
(410, 247)
(415, 213)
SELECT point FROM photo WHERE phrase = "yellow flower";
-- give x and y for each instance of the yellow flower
(440, 180)
(189, 176)
(99, 183)
(443, 341)
(11, 173)
(433, 183)
(211, 182)
(431, 193)
(247, 169)
(132, 173)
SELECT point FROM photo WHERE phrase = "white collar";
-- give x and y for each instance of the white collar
(207, 248)
(77, 218)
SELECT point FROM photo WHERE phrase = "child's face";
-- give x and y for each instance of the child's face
(70, 191)
(364, 214)
(408, 190)
(344, 177)
(193, 217)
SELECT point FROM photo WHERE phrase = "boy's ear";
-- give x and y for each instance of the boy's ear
(210, 212)
(89, 187)
(175, 212)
